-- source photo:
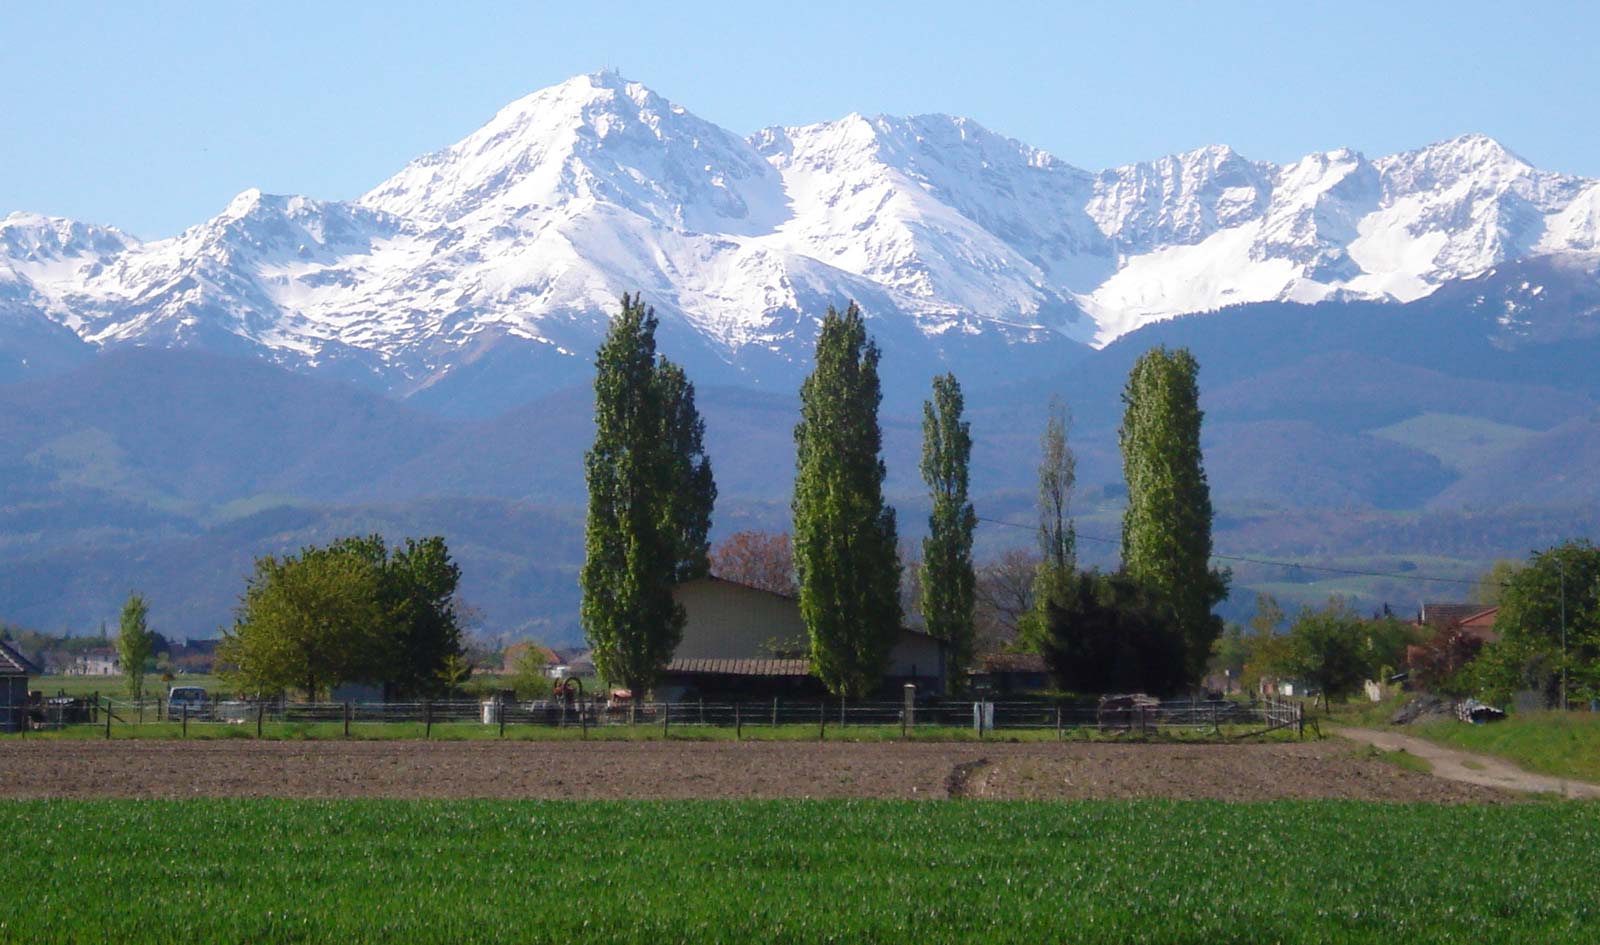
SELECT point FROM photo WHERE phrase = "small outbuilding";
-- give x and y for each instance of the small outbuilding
(741, 641)
(1006, 674)
(14, 673)
(739, 680)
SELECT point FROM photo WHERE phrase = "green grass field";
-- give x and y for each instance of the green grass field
(1359, 711)
(1366, 592)
(116, 687)
(1565, 745)
(1462, 443)
(744, 872)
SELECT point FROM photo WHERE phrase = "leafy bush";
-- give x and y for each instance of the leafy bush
(1441, 665)
(1110, 633)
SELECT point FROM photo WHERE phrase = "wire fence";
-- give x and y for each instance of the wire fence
(1134, 716)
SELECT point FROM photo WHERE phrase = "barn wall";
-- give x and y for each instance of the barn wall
(13, 695)
(730, 621)
(916, 654)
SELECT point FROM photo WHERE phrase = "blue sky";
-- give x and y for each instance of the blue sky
(151, 116)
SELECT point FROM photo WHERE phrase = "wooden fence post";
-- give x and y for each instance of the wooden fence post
(666, 719)
(261, 716)
(108, 718)
(738, 724)
(500, 714)
(347, 713)
(583, 721)
(1058, 721)
(427, 718)
(186, 720)
(774, 711)
(822, 720)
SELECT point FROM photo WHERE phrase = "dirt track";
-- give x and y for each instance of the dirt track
(1330, 769)
(1470, 768)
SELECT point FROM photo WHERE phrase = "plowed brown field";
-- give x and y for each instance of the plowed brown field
(1246, 772)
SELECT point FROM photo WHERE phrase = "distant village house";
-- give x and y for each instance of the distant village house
(1474, 620)
(95, 663)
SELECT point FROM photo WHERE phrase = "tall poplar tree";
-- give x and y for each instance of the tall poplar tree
(693, 490)
(1058, 475)
(844, 533)
(948, 600)
(1166, 529)
(650, 496)
(134, 643)
(1058, 543)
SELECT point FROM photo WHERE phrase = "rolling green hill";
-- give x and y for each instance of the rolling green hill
(1374, 437)
(1464, 444)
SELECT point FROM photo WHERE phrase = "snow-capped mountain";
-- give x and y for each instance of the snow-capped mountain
(486, 270)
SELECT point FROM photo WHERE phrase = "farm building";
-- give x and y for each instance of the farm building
(744, 641)
(1473, 620)
(1439, 616)
(1009, 673)
(1481, 625)
(14, 672)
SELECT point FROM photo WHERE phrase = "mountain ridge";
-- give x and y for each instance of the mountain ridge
(481, 275)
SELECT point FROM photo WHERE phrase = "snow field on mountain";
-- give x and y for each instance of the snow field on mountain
(527, 231)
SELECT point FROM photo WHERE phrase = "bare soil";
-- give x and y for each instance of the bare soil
(661, 770)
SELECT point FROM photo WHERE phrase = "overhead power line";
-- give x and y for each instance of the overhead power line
(1398, 575)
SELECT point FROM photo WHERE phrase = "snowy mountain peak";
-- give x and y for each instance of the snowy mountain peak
(24, 235)
(1475, 148)
(1477, 158)
(244, 204)
(1212, 156)
(500, 256)
(596, 138)
(1181, 199)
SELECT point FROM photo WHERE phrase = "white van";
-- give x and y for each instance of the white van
(186, 700)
